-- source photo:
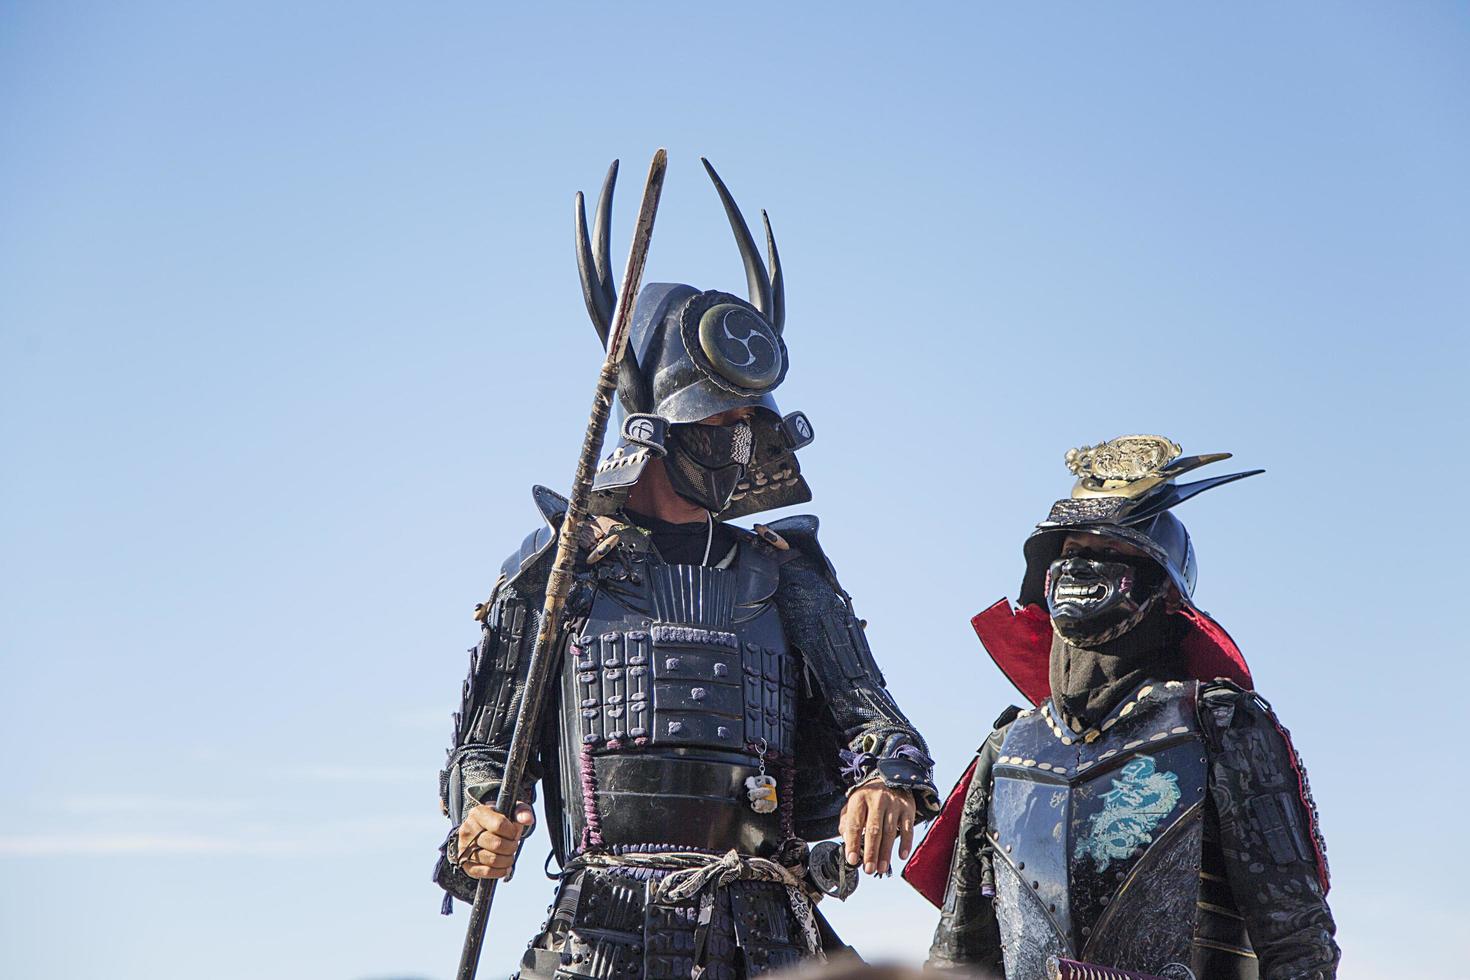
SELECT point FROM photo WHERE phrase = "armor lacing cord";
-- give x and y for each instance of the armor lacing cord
(693, 874)
(592, 827)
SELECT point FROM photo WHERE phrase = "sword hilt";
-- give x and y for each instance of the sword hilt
(1060, 968)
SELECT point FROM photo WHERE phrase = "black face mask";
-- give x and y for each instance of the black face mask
(706, 462)
(1092, 602)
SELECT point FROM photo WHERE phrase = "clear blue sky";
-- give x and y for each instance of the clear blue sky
(289, 324)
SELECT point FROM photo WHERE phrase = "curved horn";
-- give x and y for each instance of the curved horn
(601, 231)
(594, 265)
(599, 308)
(778, 284)
(633, 390)
(755, 270)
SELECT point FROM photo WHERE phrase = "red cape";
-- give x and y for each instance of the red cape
(1019, 641)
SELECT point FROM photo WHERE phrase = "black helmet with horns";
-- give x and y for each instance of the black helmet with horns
(693, 354)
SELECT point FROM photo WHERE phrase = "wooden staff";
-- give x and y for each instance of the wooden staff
(559, 583)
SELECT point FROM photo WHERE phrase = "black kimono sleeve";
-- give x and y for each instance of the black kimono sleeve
(968, 937)
(1274, 854)
(490, 699)
(876, 740)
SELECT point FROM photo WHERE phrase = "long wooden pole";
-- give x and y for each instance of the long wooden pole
(559, 583)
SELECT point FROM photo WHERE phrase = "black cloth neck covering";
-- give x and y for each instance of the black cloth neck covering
(683, 544)
(1087, 683)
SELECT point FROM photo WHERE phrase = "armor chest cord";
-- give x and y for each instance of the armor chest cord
(699, 876)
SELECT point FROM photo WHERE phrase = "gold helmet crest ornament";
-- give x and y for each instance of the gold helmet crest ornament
(1130, 466)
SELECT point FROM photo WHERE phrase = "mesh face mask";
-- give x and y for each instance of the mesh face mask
(706, 462)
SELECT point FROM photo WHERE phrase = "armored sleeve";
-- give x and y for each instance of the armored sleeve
(967, 938)
(820, 622)
(1274, 854)
(489, 701)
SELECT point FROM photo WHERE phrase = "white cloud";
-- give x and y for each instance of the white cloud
(344, 834)
(361, 774)
(77, 845)
(143, 803)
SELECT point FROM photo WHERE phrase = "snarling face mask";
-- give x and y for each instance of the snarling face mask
(1092, 602)
(706, 462)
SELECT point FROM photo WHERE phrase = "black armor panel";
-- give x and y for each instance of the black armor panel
(1098, 837)
(1258, 910)
(682, 679)
(677, 682)
(606, 927)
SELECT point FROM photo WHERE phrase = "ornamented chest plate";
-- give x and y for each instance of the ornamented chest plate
(1098, 835)
(694, 658)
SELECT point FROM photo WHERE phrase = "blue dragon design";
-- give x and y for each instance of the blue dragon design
(1138, 802)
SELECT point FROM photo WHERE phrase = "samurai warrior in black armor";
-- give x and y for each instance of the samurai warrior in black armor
(1147, 813)
(718, 705)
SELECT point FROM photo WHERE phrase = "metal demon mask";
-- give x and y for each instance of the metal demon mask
(693, 354)
(1092, 602)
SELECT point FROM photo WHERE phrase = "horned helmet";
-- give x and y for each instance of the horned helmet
(693, 354)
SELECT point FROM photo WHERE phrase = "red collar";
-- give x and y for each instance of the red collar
(1019, 641)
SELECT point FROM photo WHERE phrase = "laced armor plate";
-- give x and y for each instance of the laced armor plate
(1099, 837)
(675, 688)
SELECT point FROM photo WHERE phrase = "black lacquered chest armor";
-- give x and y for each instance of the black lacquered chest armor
(1098, 840)
(675, 688)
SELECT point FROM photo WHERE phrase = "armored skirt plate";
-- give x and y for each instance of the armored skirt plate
(605, 926)
(1084, 831)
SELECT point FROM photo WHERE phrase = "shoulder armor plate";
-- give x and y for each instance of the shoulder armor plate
(1220, 701)
(800, 531)
(537, 544)
(1005, 717)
